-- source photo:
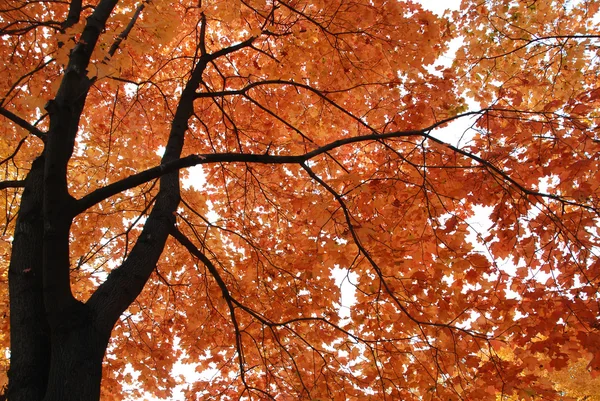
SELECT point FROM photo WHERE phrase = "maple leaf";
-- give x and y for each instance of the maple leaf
(332, 240)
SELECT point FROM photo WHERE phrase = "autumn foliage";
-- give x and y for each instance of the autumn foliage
(195, 182)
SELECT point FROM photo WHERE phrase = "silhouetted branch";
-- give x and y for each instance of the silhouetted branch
(22, 123)
(12, 184)
(73, 15)
(189, 161)
(123, 35)
(189, 245)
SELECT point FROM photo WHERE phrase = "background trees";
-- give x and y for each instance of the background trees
(310, 126)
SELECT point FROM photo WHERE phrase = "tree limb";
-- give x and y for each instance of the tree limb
(73, 15)
(132, 181)
(12, 184)
(185, 241)
(155, 172)
(123, 35)
(125, 283)
(65, 112)
(22, 123)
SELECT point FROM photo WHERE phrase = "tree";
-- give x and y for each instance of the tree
(309, 125)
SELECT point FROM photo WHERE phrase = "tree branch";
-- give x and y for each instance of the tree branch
(22, 123)
(192, 160)
(132, 181)
(12, 184)
(28, 74)
(21, 142)
(228, 50)
(125, 283)
(74, 14)
(185, 241)
(155, 172)
(529, 42)
(123, 35)
(65, 112)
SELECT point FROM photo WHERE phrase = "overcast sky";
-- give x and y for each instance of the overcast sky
(439, 6)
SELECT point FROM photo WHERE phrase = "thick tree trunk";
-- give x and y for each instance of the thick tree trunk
(29, 334)
(64, 365)
(78, 348)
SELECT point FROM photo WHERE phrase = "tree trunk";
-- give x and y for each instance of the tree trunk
(29, 331)
(67, 364)
(78, 347)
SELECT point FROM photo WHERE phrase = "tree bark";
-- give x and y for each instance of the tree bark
(78, 347)
(29, 330)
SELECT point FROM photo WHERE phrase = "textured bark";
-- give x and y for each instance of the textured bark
(78, 348)
(29, 334)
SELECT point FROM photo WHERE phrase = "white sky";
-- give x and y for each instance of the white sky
(439, 6)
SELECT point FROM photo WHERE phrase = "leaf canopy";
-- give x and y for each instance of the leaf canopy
(318, 176)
